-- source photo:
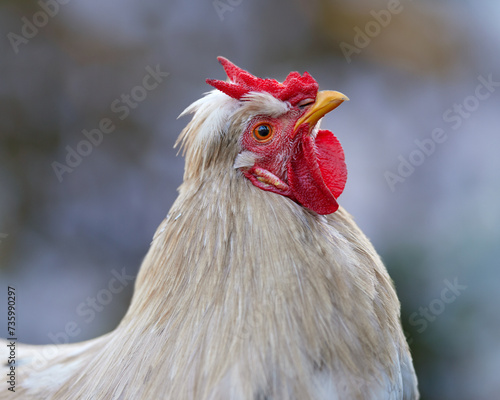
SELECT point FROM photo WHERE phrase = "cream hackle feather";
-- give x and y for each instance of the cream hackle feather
(244, 294)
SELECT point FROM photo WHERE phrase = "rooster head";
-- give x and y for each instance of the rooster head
(280, 146)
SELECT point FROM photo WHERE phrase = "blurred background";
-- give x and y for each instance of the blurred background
(78, 207)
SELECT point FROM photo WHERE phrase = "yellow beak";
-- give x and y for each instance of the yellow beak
(326, 101)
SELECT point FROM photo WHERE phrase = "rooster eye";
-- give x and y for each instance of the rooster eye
(263, 132)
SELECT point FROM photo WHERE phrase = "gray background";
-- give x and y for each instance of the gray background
(60, 241)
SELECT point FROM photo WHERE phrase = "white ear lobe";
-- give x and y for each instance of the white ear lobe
(244, 159)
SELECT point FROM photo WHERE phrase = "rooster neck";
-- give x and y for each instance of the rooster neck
(224, 235)
(234, 270)
(229, 245)
(245, 294)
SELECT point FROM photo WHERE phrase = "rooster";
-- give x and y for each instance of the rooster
(257, 285)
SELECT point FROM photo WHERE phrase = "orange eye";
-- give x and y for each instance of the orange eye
(263, 132)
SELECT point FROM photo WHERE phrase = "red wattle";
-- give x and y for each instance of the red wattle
(331, 161)
(317, 173)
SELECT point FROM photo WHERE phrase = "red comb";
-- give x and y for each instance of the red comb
(295, 88)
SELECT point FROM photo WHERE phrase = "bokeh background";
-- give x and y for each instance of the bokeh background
(410, 70)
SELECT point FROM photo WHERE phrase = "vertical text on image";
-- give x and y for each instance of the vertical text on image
(11, 332)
